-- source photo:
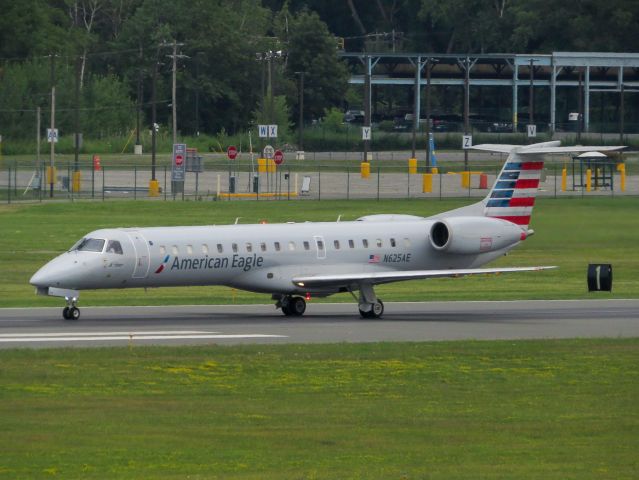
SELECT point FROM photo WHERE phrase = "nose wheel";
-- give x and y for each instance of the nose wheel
(71, 312)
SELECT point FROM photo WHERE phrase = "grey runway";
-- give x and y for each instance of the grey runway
(323, 323)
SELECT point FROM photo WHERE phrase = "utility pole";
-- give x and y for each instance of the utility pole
(428, 69)
(52, 149)
(416, 87)
(300, 127)
(38, 163)
(139, 106)
(466, 107)
(580, 109)
(175, 56)
(76, 120)
(154, 185)
(367, 103)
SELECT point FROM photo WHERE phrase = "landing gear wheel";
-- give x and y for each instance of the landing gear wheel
(376, 311)
(71, 313)
(297, 306)
(286, 309)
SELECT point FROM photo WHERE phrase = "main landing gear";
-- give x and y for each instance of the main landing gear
(291, 306)
(369, 305)
(71, 312)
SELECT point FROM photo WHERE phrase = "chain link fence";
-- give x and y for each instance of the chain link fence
(318, 176)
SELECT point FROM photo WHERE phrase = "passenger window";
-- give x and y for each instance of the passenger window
(407, 242)
(189, 249)
(114, 247)
(351, 244)
(320, 245)
(307, 246)
(249, 247)
(174, 249)
(234, 247)
(336, 244)
(220, 248)
(379, 242)
(364, 243)
(205, 249)
(291, 246)
(263, 247)
(277, 246)
(162, 249)
(393, 243)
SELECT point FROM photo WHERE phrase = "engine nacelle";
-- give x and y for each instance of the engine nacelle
(473, 235)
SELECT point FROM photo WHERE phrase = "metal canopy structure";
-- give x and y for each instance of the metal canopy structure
(589, 71)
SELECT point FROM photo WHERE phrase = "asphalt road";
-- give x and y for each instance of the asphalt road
(323, 323)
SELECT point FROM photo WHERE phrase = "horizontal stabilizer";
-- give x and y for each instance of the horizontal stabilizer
(394, 276)
(543, 148)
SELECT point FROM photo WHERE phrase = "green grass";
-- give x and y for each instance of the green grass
(570, 233)
(527, 409)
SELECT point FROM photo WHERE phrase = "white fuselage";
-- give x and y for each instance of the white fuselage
(259, 258)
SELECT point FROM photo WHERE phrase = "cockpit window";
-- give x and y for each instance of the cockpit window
(89, 245)
(113, 246)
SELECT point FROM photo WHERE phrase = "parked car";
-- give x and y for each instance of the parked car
(354, 116)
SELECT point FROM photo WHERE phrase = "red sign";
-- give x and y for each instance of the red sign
(278, 157)
(231, 152)
(179, 159)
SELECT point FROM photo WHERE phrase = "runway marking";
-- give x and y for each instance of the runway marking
(126, 336)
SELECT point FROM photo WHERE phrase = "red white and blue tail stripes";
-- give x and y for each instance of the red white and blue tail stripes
(513, 195)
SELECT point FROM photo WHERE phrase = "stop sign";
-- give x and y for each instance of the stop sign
(231, 152)
(179, 159)
(278, 157)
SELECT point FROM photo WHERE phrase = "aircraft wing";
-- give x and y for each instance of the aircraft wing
(315, 281)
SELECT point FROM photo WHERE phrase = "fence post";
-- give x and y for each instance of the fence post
(319, 181)
(348, 182)
(135, 182)
(9, 186)
(378, 180)
(164, 182)
(103, 177)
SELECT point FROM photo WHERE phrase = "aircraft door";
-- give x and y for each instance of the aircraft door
(321, 247)
(142, 261)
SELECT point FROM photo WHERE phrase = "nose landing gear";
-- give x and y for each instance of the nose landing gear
(71, 312)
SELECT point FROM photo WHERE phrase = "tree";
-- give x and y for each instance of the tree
(312, 49)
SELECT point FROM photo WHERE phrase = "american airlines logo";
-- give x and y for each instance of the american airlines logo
(164, 262)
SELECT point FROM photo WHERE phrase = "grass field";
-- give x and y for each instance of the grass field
(570, 233)
(465, 410)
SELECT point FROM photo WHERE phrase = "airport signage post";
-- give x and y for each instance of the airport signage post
(278, 157)
(178, 168)
(467, 141)
(269, 151)
(232, 152)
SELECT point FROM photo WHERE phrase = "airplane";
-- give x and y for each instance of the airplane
(292, 261)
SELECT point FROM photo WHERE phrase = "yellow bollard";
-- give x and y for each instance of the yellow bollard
(434, 170)
(465, 179)
(588, 180)
(365, 169)
(272, 167)
(564, 179)
(154, 188)
(51, 174)
(622, 171)
(412, 166)
(75, 186)
(261, 165)
(427, 183)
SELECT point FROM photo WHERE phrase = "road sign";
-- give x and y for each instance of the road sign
(366, 133)
(267, 131)
(231, 152)
(532, 130)
(278, 157)
(467, 141)
(52, 135)
(269, 151)
(178, 170)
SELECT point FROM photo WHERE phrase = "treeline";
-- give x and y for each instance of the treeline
(241, 61)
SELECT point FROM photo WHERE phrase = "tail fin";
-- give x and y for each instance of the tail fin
(513, 195)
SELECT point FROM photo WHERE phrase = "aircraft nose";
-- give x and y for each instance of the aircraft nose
(45, 277)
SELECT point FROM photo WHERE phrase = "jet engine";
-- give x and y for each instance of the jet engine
(473, 235)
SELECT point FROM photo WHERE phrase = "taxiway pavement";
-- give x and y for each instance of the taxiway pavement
(322, 323)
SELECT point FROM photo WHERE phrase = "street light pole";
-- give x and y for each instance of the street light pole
(300, 127)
